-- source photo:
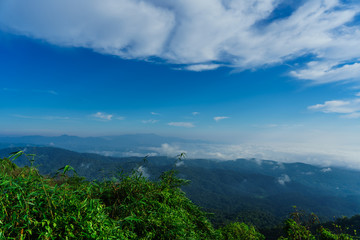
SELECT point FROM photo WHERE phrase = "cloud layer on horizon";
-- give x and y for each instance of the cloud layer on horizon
(310, 153)
(203, 34)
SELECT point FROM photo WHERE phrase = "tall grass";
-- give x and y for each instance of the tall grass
(38, 207)
(65, 206)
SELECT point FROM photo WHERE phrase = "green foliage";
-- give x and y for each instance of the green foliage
(325, 234)
(132, 207)
(239, 190)
(65, 206)
(241, 231)
(296, 228)
(296, 231)
(345, 225)
(155, 210)
(35, 207)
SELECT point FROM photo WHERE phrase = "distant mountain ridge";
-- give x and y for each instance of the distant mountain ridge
(121, 145)
(227, 188)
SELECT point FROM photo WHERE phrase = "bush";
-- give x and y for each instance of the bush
(35, 207)
(155, 210)
(241, 231)
(63, 207)
(296, 229)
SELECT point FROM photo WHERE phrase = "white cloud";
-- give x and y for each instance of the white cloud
(315, 147)
(335, 106)
(125, 154)
(181, 124)
(178, 164)
(126, 28)
(154, 113)
(220, 118)
(202, 67)
(351, 108)
(103, 116)
(169, 150)
(202, 34)
(120, 118)
(323, 72)
(150, 121)
(143, 171)
(195, 113)
(322, 149)
(283, 179)
(326, 170)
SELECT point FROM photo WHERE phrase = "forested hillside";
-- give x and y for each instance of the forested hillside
(66, 206)
(132, 207)
(257, 192)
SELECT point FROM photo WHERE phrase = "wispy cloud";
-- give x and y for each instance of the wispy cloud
(283, 179)
(202, 34)
(275, 125)
(181, 124)
(334, 106)
(324, 170)
(351, 115)
(202, 67)
(325, 72)
(167, 149)
(155, 113)
(103, 116)
(320, 148)
(195, 113)
(349, 108)
(42, 117)
(179, 164)
(150, 121)
(120, 118)
(270, 125)
(220, 118)
(143, 171)
(52, 92)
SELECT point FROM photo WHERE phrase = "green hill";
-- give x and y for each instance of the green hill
(260, 193)
(130, 207)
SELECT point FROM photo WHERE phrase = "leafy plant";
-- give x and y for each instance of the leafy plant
(68, 207)
(297, 228)
(236, 230)
(36, 207)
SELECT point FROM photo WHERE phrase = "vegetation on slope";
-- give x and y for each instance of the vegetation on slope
(130, 207)
(240, 190)
(66, 206)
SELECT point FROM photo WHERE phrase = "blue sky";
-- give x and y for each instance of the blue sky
(282, 74)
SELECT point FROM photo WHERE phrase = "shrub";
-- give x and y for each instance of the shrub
(35, 207)
(241, 231)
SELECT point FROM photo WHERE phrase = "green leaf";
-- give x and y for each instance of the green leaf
(15, 155)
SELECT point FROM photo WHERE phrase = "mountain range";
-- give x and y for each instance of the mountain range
(121, 145)
(259, 192)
